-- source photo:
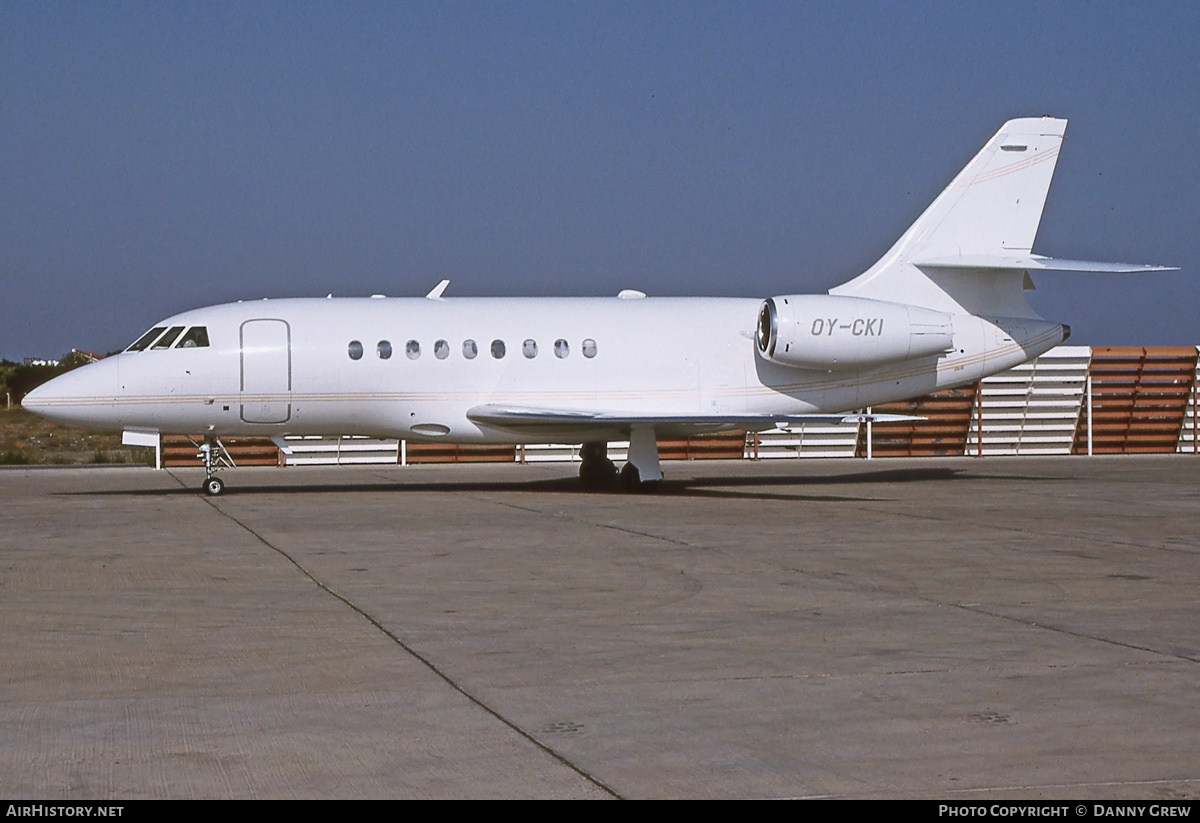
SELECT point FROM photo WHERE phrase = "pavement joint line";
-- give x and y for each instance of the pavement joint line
(582, 522)
(426, 662)
(785, 498)
(1002, 527)
(1072, 633)
(967, 608)
(854, 502)
(980, 610)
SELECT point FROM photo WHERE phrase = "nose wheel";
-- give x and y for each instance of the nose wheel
(215, 457)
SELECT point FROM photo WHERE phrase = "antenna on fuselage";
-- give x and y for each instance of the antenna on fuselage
(436, 292)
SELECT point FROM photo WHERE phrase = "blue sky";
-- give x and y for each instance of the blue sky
(162, 156)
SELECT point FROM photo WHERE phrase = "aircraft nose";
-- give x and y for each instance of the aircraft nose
(43, 399)
(35, 400)
(84, 397)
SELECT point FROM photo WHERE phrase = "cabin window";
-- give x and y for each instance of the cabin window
(529, 349)
(384, 349)
(589, 348)
(412, 349)
(498, 349)
(196, 338)
(147, 338)
(355, 350)
(167, 339)
(470, 349)
(441, 350)
(561, 348)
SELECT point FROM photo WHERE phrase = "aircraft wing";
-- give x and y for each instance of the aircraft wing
(529, 420)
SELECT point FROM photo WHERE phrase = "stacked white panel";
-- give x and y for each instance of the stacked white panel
(806, 440)
(1033, 408)
(1188, 434)
(352, 450)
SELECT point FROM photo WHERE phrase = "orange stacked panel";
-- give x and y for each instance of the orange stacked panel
(722, 446)
(943, 431)
(178, 451)
(1139, 397)
(450, 453)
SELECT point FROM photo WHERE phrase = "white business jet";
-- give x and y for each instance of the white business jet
(943, 308)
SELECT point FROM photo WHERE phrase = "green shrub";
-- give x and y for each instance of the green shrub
(16, 457)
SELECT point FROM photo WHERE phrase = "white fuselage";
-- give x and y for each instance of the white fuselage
(279, 367)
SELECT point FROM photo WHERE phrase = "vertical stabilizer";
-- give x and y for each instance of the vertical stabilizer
(990, 210)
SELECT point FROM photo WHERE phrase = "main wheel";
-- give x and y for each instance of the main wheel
(631, 480)
(213, 486)
(597, 474)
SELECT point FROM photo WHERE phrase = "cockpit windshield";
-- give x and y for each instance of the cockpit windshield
(155, 340)
(196, 338)
(167, 339)
(147, 338)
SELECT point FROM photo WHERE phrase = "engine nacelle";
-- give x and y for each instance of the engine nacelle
(832, 333)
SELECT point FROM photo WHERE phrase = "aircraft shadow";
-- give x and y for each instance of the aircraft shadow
(765, 487)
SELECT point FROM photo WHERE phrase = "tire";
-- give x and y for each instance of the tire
(631, 481)
(213, 486)
(597, 476)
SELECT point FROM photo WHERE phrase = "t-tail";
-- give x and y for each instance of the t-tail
(951, 289)
(972, 249)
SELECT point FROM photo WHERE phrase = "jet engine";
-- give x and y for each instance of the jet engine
(832, 333)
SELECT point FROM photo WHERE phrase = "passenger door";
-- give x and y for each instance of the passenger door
(266, 371)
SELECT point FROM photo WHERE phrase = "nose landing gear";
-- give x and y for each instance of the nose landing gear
(215, 457)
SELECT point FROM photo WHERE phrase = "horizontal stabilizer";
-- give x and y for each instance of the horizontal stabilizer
(1035, 262)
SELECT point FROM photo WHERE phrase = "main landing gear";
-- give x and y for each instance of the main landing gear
(215, 457)
(596, 471)
(641, 474)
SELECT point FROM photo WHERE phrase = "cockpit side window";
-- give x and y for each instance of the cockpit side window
(196, 338)
(167, 339)
(147, 338)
